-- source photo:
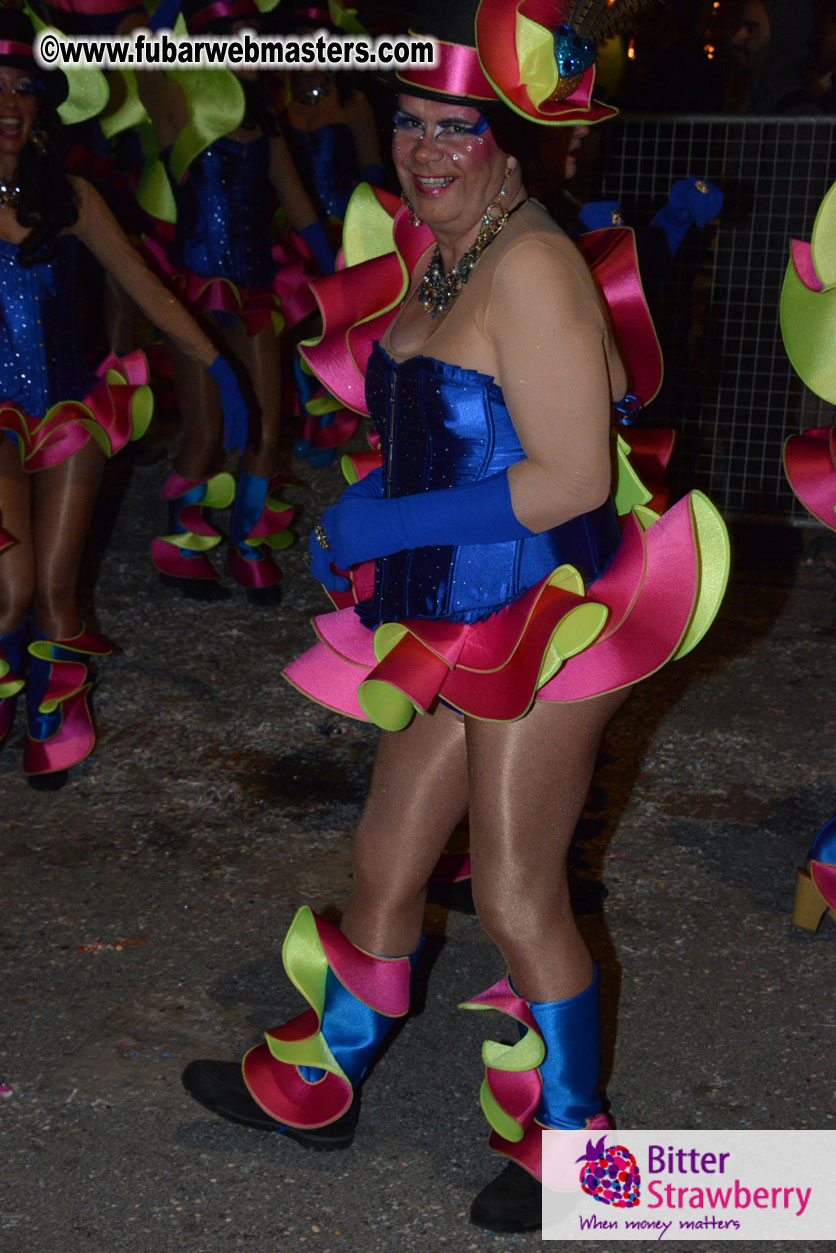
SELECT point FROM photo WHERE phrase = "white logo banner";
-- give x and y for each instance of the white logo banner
(689, 1185)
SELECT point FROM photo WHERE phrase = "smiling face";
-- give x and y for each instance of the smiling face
(448, 162)
(18, 112)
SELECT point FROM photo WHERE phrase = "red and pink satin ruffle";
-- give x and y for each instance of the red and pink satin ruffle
(810, 467)
(492, 669)
(272, 1070)
(108, 413)
(256, 307)
(67, 690)
(517, 1092)
(358, 303)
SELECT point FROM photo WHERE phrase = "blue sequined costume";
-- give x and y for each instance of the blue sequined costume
(327, 164)
(440, 426)
(42, 359)
(224, 213)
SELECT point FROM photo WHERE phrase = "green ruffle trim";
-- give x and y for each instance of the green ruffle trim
(307, 968)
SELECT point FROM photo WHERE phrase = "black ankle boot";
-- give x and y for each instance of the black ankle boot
(510, 1202)
(220, 1088)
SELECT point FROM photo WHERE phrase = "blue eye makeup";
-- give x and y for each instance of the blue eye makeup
(22, 87)
(406, 122)
(447, 128)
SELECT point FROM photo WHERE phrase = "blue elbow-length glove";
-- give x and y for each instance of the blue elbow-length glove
(362, 526)
(235, 409)
(692, 202)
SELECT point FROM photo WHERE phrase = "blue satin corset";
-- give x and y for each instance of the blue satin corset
(225, 211)
(441, 426)
(327, 164)
(41, 355)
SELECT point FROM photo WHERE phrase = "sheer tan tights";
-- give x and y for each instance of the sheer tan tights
(48, 516)
(525, 784)
(200, 407)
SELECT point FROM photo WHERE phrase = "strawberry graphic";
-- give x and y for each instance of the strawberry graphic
(610, 1175)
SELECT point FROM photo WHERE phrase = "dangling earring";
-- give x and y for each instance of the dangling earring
(40, 141)
(495, 210)
(413, 216)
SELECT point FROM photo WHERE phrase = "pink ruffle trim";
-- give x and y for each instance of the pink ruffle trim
(491, 669)
(810, 465)
(68, 688)
(358, 303)
(518, 1092)
(68, 425)
(257, 307)
(297, 267)
(278, 1086)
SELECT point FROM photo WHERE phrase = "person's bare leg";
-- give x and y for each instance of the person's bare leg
(528, 783)
(419, 793)
(259, 355)
(17, 562)
(63, 499)
(200, 411)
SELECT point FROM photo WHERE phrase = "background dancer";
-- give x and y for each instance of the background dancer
(228, 163)
(59, 417)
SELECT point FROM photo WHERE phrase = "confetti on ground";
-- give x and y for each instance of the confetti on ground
(99, 947)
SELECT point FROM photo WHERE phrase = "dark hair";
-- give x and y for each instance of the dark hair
(259, 106)
(516, 136)
(47, 197)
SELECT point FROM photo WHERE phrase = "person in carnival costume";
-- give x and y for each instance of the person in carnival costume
(808, 326)
(60, 418)
(493, 612)
(103, 150)
(331, 129)
(332, 135)
(227, 162)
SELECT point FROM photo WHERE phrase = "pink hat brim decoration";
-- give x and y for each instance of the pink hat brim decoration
(496, 40)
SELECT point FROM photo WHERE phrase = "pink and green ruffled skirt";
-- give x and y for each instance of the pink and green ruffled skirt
(559, 641)
(116, 410)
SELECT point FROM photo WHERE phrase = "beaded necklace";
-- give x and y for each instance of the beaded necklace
(438, 289)
(9, 195)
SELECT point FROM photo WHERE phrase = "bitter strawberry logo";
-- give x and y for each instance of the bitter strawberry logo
(610, 1175)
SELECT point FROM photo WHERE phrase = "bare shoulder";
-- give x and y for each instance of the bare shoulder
(540, 263)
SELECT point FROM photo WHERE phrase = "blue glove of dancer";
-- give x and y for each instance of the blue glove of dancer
(692, 202)
(235, 410)
(600, 213)
(361, 526)
(165, 15)
(316, 239)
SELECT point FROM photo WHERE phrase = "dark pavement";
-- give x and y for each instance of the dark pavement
(144, 908)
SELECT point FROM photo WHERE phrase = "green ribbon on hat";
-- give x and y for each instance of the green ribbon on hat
(88, 92)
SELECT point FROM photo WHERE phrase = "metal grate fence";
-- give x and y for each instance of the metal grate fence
(729, 390)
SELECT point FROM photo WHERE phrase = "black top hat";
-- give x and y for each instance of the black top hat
(202, 15)
(16, 37)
